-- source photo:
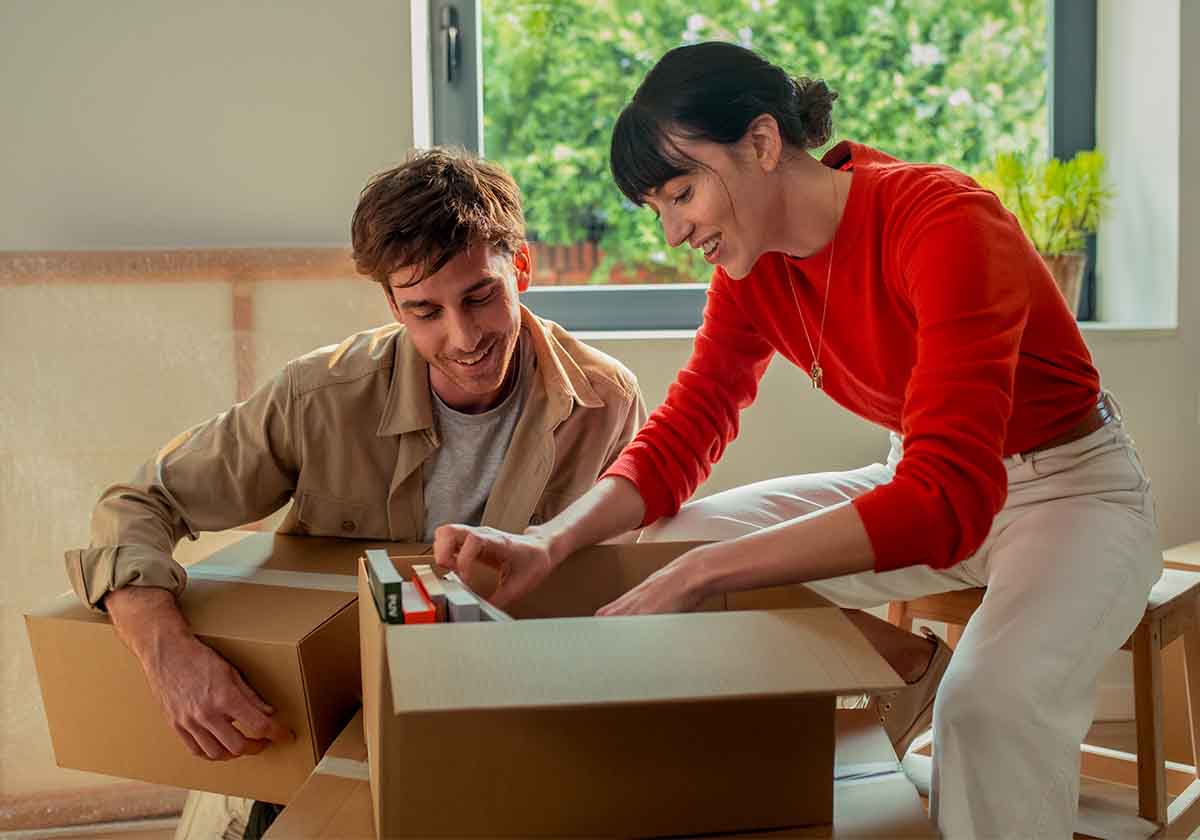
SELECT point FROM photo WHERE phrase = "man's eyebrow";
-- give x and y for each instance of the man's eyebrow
(421, 304)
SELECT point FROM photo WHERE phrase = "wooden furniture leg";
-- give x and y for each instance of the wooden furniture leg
(1147, 697)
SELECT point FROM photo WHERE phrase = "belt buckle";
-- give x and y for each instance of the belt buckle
(1107, 408)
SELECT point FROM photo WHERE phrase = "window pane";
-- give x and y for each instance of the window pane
(925, 80)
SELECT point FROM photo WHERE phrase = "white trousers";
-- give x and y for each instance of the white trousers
(1068, 565)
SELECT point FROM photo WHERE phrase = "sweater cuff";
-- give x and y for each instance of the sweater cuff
(656, 495)
(902, 532)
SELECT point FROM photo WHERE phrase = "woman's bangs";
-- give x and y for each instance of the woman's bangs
(643, 157)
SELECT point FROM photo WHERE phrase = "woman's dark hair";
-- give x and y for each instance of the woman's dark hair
(710, 91)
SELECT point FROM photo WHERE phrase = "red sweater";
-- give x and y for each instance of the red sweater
(943, 325)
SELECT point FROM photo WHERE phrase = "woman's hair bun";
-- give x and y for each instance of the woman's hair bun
(814, 110)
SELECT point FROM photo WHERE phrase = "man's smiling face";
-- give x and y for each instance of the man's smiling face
(464, 320)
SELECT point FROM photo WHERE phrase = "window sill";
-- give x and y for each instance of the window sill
(1113, 328)
(1130, 330)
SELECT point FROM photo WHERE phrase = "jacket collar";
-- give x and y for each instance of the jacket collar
(409, 407)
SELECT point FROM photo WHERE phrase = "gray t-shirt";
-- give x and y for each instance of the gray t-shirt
(460, 473)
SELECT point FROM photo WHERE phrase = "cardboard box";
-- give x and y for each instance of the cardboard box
(872, 796)
(280, 609)
(336, 799)
(563, 724)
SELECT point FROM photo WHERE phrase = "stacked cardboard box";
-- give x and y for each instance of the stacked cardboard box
(565, 725)
(872, 797)
(555, 724)
(281, 609)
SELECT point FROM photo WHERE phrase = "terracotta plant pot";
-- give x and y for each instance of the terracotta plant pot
(1067, 270)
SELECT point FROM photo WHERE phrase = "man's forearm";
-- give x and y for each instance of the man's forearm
(146, 618)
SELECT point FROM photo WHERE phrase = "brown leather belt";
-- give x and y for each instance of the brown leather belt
(1105, 411)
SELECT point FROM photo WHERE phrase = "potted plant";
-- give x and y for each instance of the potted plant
(1058, 203)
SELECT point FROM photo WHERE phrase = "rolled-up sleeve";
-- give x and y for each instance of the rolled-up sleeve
(238, 467)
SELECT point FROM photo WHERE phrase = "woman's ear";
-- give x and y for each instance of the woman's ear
(766, 141)
(523, 265)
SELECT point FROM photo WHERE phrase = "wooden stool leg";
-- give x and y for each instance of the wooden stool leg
(899, 615)
(1191, 680)
(1147, 696)
(1184, 812)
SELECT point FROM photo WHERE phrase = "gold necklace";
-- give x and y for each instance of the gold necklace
(816, 372)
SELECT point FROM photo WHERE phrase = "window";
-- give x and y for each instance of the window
(933, 80)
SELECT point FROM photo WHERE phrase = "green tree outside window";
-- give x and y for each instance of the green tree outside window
(926, 80)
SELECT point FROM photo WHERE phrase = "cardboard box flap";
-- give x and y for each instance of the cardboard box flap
(590, 578)
(295, 584)
(228, 610)
(643, 659)
(350, 745)
(284, 552)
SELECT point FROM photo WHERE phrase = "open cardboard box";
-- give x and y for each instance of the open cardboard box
(563, 724)
(280, 609)
(872, 796)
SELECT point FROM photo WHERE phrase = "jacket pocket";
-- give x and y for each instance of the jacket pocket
(329, 516)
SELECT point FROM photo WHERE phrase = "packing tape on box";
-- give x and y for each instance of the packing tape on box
(274, 577)
(866, 772)
(346, 768)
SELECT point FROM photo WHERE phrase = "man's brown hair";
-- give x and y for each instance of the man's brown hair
(430, 209)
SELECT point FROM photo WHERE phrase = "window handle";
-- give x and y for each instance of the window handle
(453, 40)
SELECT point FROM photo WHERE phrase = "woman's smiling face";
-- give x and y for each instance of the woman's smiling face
(720, 207)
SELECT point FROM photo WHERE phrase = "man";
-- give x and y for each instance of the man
(468, 409)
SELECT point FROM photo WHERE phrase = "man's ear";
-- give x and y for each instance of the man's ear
(766, 141)
(523, 265)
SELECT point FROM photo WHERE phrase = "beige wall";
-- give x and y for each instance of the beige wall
(275, 148)
(1137, 126)
(150, 123)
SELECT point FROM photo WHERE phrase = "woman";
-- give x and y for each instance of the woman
(913, 299)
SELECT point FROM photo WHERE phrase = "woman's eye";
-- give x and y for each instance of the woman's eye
(682, 197)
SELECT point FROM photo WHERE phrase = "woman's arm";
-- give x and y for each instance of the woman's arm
(612, 507)
(831, 544)
(655, 473)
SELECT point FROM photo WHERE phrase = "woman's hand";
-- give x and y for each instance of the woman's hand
(523, 561)
(676, 587)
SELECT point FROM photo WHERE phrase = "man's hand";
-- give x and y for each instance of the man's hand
(523, 561)
(206, 701)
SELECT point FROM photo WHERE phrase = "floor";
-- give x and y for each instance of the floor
(159, 829)
(1121, 800)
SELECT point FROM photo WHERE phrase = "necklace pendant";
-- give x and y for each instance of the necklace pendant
(818, 376)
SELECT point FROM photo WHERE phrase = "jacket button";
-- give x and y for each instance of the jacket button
(348, 525)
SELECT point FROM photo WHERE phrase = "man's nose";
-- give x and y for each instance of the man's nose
(464, 332)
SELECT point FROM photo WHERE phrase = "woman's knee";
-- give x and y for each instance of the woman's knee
(696, 521)
(978, 700)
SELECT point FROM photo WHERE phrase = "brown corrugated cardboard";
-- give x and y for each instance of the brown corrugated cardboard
(336, 799)
(872, 799)
(653, 725)
(281, 609)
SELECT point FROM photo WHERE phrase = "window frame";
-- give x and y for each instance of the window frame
(458, 121)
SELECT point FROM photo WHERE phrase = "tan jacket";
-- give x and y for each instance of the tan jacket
(344, 431)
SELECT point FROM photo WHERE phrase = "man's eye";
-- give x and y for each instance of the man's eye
(479, 301)
(428, 315)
